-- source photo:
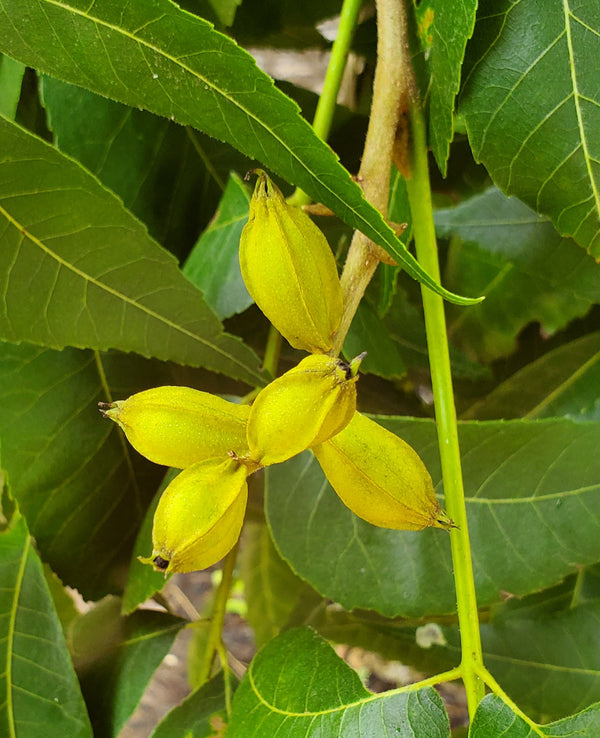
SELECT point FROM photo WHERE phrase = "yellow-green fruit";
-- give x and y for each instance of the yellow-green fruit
(380, 477)
(179, 426)
(199, 516)
(289, 270)
(303, 407)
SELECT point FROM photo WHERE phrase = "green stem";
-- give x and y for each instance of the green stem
(226, 677)
(419, 194)
(270, 362)
(272, 351)
(445, 676)
(213, 642)
(333, 80)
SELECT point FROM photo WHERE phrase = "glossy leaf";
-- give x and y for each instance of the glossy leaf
(77, 269)
(117, 657)
(444, 29)
(525, 269)
(81, 489)
(519, 477)
(214, 265)
(495, 718)
(297, 685)
(532, 105)
(157, 57)
(165, 174)
(564, 382)
(200, 715)
(39, 690)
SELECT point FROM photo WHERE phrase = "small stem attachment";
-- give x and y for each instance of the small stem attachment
(226, 677)
(419, 194)
(333, 79)
(272, 351)
(214, 642)
(445, 676)
(390, 88)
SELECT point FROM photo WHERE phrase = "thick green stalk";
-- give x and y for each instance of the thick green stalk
(272, 351)
(217, 618)
(419, 194)
(333, 79)
(393, 76)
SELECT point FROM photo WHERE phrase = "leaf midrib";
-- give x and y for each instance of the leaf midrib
(369, 697)
(577, 95)
(10, 638)
(122, 438)
(532, 498)
(561, 388)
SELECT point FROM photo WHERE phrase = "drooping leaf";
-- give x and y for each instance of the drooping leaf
(142, 580)
(11, 78)
(531, 492)
(298, 686)
(532, 106)
(81, 489)
(200, 715)
(271, 589)
(157, 57)
(165, 174)
(77, 269)
(494, 718)
(39, 690)
(444, 29)
(525, 269)
(214, 265)
(116, 658)
(564, 382)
